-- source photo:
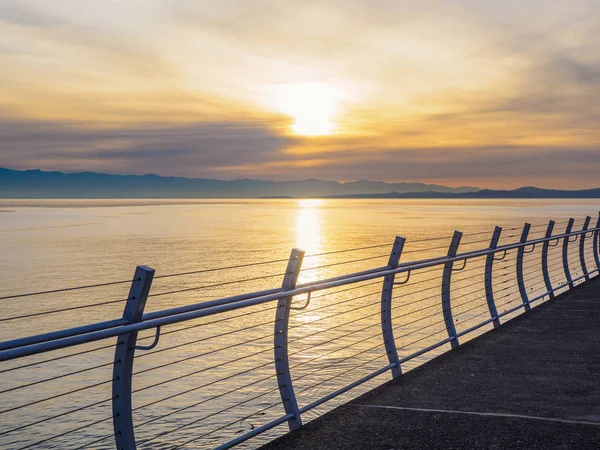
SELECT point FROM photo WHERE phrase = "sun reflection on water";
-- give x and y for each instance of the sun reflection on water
(309, 236)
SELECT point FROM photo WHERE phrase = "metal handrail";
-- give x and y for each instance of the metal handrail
(134, 319)
(198, 310)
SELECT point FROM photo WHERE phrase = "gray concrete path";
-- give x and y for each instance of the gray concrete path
(534, 383)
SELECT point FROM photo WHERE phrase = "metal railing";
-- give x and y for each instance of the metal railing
(454, 294)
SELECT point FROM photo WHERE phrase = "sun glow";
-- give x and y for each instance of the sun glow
(311, 105)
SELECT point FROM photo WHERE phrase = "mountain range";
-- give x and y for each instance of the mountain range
(522, 192)
(42, 184)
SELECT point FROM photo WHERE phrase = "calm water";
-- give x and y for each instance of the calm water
(180, 391)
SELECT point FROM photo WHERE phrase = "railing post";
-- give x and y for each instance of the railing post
(446, 280)
(489, 266)
(520, 255)
(586, 225)
(545, 248)
(595, 243)
(386, 308)
(282, 319)
(123, 365)
(565, 253)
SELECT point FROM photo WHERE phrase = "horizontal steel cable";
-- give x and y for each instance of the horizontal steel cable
(510, 280)
(256, 368)
(469, 310)
(91, 424)
(46, 419)
(507, 272)
(388, 244)
(206, 338)
(462, 244)
(414, 301)
(510, 236)
(226, 283)
(234, 422)
(415, 311)
(504, 289)
(486, 232)
(267, 408)
(54, 311)
(187, 391)
(421, 339)
(417, 330)
(468, 286)
(210, 352)
(546, 224)
(422, 271)
(231, 267)
(510, 301)
(552, 263)
(57, 358)
(404, 294)
(189, 327)
(352, 288)
(253, 340)
(415, 321)
(54, 397)
(474, 317)
(235, 345)
(112, 435)
(422, 250)
(344, 262)
(467, 303)
(480, 269)
(164, 433)
(74, 288)
(536, 283)
(533, 276)
(59, 376)
(338, 362)
(238, 266)
(413, 283)
(319, 308)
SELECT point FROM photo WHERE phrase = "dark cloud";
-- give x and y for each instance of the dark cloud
(485, 166)
(191, 149)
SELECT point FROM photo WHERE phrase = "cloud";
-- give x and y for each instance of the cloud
(172, 149)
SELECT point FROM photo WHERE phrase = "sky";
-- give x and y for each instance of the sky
(496, 94)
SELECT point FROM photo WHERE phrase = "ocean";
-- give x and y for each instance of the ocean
(210, 380)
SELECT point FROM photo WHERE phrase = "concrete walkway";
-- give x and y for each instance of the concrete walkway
(534, 383)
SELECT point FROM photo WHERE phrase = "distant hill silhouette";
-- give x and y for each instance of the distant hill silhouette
(41, 184)
(522, 192)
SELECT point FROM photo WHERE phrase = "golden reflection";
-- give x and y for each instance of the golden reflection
(308, 236)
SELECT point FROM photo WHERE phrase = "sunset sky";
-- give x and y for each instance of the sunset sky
(470, 92)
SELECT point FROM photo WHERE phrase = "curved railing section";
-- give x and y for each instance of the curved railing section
(219, 372)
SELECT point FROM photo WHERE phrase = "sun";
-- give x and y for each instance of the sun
(311, 105)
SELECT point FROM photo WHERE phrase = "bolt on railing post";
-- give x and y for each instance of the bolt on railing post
(520, 255)
(595, 243)
(565, 253)
(489, 266)
(282, 363)
(386, 308)
(586, 225)
(446, 280)
(545, 248)
(124, 354)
